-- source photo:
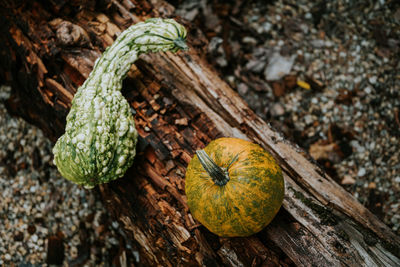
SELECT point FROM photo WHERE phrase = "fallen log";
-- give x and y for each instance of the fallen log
(181, 105)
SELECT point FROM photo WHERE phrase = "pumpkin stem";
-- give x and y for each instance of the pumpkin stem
(219, 175)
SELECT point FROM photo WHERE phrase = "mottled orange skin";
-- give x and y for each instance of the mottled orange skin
(249, 200)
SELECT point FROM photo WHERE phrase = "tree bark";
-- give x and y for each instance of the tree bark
(48, 49)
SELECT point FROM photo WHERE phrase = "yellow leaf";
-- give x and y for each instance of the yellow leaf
(304, 85)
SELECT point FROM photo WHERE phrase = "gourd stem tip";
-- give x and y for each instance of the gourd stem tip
(218, 174)
(180, 43)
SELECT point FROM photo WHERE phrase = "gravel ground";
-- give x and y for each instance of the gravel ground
(325, 73)
(46, 220)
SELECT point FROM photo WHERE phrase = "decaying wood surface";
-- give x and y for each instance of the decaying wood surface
(48, 49)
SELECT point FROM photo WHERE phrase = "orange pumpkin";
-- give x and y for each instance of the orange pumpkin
(234, 187)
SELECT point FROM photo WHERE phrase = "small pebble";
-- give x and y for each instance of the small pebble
(361, 172)
(372, 79)
(368, 90)
(34, 238)
(348, 180)
(243, 88)
(308, 15)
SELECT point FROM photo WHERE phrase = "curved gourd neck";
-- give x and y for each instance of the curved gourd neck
(118, 58)
(219, 175)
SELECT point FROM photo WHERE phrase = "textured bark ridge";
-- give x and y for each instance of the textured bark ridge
(48, 49)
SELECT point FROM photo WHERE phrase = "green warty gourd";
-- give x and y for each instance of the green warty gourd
(99, 142)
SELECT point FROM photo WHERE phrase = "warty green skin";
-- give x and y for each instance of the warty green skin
(99, 142)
